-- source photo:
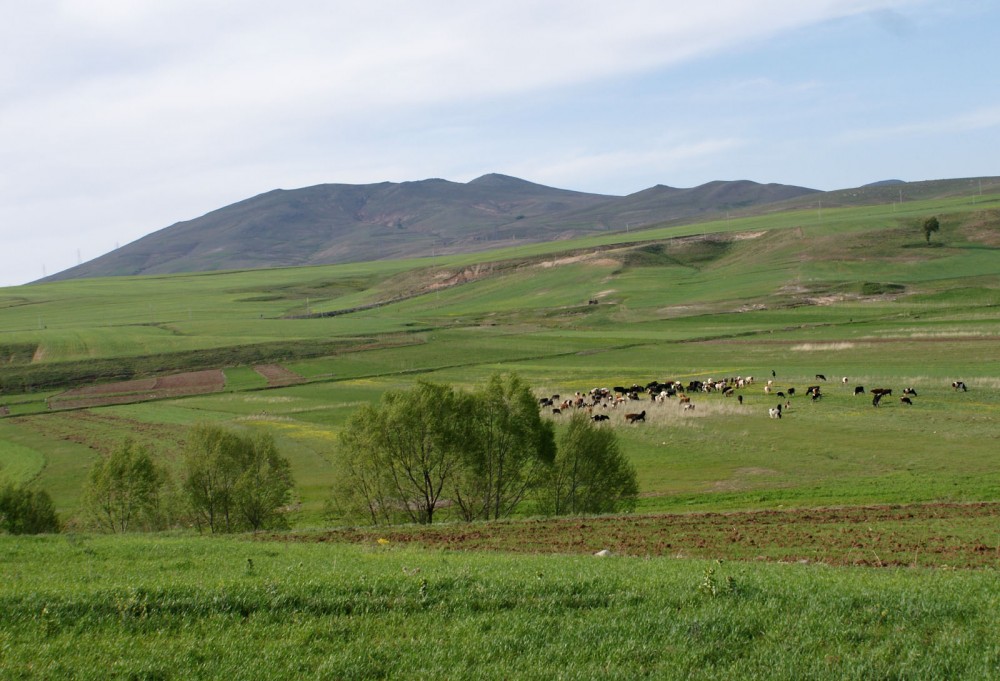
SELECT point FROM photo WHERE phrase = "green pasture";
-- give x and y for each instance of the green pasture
(852, 292)
(191, 608)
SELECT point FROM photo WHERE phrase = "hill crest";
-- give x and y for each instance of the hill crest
(339, 223)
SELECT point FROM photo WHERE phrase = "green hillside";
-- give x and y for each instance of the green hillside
(840, 541)
(855, 292)
(340, 223)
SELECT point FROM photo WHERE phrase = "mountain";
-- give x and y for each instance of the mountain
(337, 223)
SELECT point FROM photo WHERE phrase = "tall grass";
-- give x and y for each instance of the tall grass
(196, 608)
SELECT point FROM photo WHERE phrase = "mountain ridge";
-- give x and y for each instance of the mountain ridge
(340, 223)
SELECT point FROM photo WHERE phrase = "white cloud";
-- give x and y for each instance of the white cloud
(119, 117)
(981, 118)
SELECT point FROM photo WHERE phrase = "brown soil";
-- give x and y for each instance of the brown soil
(138, 385)
(125, 392)
(277, 374)
(926, 535)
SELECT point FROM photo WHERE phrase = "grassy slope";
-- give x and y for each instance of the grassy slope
(681, 308)
(183, 607)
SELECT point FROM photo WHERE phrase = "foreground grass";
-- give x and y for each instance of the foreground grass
(181, 607)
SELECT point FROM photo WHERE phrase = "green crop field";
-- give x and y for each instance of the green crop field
(854, 293)
(169, 607)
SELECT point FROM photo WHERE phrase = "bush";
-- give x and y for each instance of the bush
(25, 511)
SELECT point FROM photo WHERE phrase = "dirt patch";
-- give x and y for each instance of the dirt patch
(117, 388)
(125, 392)
(925, 535)
(277, 375)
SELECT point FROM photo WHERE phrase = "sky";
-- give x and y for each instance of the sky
(119, 118)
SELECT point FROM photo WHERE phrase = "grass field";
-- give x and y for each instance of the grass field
(857, 293)
(169, 607)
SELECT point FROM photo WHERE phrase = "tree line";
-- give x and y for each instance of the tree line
(230, 481)
(477, 455)
(415, 456)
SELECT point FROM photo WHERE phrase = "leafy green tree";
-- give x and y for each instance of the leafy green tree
(122, 491)
(590, 474)
(507, 447)
(931, 225)
(27, 511)
(362, 490)
(235, 481)
(264, 484)
(397, 459)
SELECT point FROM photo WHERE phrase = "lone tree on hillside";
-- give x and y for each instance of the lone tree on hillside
(931, 225)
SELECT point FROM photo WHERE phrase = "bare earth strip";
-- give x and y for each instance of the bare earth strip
(926, 535)
(121, 387)
(277, 374)
(125, 392)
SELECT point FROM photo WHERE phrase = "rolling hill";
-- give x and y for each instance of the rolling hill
(339, 223)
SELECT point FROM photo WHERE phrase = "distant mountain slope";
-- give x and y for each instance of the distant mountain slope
(338, 223)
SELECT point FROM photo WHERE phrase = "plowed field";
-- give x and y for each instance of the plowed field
(277, 374)
(124, 392)
(929, 535)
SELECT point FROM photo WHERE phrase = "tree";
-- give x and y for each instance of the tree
(122, 490)
(264, 484)
(235, 481)
(590, 474)
(27, 511)
(931, 225)
(398, 458)
(507, 446)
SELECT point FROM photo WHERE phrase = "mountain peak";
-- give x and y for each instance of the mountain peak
(498, 180)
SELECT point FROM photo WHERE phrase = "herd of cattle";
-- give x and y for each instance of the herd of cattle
(598, 401)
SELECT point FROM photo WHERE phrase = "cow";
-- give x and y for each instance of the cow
(600, 417)
(959, 385)
(905, 400)
(876, 399)
(909, 391)
(635, 418)
(820, 377)
(859, 390)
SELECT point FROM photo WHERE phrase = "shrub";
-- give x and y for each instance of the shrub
(26, 511)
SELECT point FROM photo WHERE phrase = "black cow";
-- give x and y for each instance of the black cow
(859, 390)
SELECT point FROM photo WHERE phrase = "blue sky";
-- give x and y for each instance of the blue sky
(118, 119)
